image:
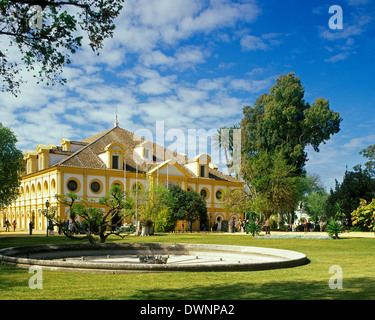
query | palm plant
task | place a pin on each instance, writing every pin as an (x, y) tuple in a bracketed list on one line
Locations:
[(253, 228), (334, 228), (224, 140)]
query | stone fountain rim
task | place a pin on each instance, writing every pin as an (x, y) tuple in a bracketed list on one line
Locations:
[(11, 256)]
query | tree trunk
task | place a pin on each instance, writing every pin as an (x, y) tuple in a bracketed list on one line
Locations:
[(102, 238), (90, 237), (291, 220)]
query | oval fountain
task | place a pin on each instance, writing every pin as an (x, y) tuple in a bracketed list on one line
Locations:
[(150, 257)]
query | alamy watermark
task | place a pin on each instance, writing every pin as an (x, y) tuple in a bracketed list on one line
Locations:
[(336, 21), (36, 280), (36, 19), (336, 281), (223, 146)]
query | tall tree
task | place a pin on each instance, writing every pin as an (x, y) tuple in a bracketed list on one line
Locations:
[(369, 153), (271, 181), (283, 121), (46, 33), (224, 140), (12, 166)]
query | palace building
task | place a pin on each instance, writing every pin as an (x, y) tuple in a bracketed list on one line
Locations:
[(90, 167)]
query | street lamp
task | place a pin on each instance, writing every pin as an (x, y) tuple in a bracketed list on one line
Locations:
[(47, 206)]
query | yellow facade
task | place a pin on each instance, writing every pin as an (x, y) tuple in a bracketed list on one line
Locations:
[(90, 167)]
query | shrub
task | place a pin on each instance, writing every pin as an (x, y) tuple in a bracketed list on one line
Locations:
[(334, 228), (253, 228), (364, 216), (356, 229)]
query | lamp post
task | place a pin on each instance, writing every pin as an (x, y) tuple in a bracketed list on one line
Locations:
[(47, 206)]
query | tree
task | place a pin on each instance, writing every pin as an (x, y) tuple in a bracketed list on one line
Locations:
[(46, 33), (271, 181), (12, 166), (313, 197), (369, 153), (156, 210), (238, 201), (282, 121), (189, 206), (95, 221), (224, 140), (315, 204), (357, 184)]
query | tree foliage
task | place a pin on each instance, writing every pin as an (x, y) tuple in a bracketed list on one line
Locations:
[(189, 205), (94, 220), (357, 184), (364, 215), (157, 207), (334, 228), (315, 205), (239, 201), (11, 167), (314, 198), (369, 153), (47, 32), (282, 121), (271, 181), (224, 140)]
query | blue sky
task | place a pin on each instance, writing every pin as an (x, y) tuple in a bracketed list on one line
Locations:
[(194, 64)]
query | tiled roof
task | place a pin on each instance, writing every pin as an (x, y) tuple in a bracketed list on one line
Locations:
[(88, 155)]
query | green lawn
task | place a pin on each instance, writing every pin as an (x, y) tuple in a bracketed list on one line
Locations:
[(356, 257)]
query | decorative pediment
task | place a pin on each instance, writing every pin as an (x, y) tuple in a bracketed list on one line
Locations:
[(171, 168)]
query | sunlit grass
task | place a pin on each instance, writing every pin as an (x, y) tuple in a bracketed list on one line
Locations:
[(356, 257)]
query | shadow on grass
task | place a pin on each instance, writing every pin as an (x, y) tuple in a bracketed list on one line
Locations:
[(354, 289)]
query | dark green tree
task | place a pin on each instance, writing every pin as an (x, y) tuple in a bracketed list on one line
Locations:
[(282, 121), (369, 153), (12, 166), (346, 197), (189, 206), (47, 32)]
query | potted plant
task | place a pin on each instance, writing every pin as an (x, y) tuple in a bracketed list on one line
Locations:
[(146, 225)]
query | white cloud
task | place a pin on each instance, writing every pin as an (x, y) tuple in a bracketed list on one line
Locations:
[(338, 57), (262, 43), (253, 43), (345, 33), (338, 153), (143, 70), (144, 25), (155, 84)]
